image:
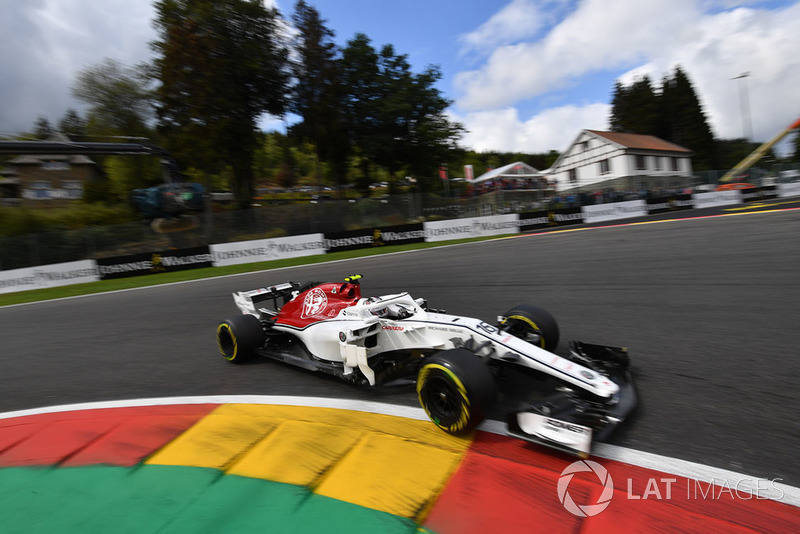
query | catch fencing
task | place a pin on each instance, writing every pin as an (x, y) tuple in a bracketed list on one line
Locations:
[(160, 257)]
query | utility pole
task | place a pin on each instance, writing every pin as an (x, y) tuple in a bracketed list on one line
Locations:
[(744, 101)]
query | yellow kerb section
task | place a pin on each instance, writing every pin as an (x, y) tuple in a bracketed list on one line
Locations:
[(386, 463)]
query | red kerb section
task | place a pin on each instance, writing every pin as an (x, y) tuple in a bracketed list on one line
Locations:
[(507, 485), (113, 436)]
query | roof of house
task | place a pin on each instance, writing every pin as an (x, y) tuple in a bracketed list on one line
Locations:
[(639, 141), (518, 169), (56, 137), (39, 159)]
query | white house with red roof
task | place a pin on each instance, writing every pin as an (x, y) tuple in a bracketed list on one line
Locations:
[(621, 161)]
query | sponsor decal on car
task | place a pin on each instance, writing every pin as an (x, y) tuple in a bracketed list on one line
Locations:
[(314, 304)]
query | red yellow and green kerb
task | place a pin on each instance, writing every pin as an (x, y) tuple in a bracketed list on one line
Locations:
[(275, 468)]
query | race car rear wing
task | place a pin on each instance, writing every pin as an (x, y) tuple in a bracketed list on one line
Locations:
[(271, 299)]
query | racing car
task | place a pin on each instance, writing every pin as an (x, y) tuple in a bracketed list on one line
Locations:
[(463, 368)]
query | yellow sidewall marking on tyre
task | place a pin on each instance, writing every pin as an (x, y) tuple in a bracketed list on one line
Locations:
[(233, 339), (531, 324), (464, 416)]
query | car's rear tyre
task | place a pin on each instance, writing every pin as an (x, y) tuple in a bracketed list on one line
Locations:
[(532, 324), (238, 338), (456, 390)]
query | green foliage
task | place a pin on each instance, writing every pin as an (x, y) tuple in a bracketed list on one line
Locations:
[(684, 122), (636, 108), (42, 128), (318, 91), (22, 221), (119, 99), (221, 181), (396, 118), (729, 152), (673, 113), (126, 173), (221, 64), (72, 125)]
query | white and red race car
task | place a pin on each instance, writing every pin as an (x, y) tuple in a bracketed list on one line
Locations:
[(464, 368)]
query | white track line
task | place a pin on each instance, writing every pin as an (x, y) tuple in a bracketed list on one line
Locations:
[(739, 482)]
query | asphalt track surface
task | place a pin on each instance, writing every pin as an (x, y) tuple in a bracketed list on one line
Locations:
[(708, 308)]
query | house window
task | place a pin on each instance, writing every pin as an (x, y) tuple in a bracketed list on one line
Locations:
[(674, 164), (55, 165), (72, 184), (641, 163), (73, 188), (573, 176), (605, 166), (584, 146), (657, 161), (40, 184)]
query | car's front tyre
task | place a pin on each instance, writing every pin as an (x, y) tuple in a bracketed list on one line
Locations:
[(456, 390), (239, 337)]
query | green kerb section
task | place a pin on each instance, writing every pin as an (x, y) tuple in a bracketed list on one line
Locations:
[(169, 500)]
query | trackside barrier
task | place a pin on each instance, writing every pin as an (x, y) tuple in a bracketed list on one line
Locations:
[(789, 190), (260, 250), (59, 274), (267, 249), (166, 261)]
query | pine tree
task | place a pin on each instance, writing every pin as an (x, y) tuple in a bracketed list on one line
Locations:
[(42, 128), (72, 125), (685, 121), (674, 114), (635, 108), (222, 65), (318, 91)]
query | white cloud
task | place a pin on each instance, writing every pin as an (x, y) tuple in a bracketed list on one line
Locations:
[(519, 20), (725, 45), (599, 35), (710, 42), (51, 40), (552, 129)]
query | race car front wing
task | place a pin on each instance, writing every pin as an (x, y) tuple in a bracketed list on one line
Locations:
[(570, 420)]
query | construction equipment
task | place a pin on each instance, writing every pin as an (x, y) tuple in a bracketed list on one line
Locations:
[(756, 154)]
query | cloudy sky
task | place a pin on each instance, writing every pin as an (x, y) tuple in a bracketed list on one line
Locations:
[(523, 75)]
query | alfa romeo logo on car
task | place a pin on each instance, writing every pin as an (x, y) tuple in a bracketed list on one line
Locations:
[(314, 303), (586, 510)]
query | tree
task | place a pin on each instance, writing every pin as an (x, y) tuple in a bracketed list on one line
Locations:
[(42, 128), (318, 90), (395, 117), (221, 65), (635, 108), (432, 136), (684, 121), (72, 125), (120, 101), (360, 75), (120, 105), (673, 113)]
